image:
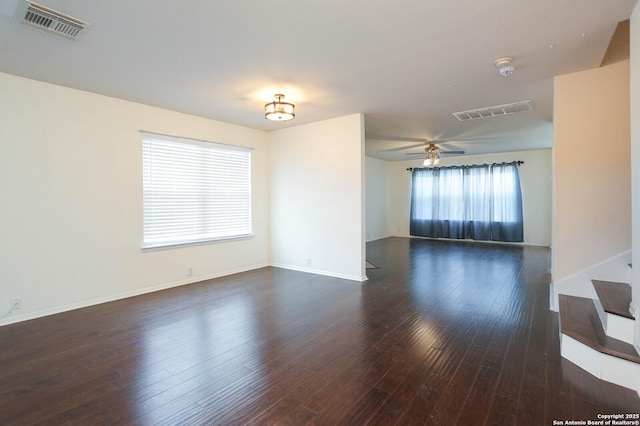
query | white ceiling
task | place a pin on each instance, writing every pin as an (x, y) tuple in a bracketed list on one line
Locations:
[(407, 65)]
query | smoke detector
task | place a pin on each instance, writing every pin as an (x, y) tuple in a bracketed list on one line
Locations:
[(504, 66)]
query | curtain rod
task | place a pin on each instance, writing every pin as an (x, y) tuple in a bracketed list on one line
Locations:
[(410, 169)]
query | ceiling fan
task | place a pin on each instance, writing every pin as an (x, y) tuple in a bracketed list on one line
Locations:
[(433, 154)]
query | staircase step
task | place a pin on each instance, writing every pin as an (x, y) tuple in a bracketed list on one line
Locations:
[(580, 321), (615, 297)]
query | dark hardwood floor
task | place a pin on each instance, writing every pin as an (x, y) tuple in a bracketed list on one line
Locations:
[(442, 333)]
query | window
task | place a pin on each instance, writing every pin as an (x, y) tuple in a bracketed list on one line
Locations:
[(481, 202), (194, 191)]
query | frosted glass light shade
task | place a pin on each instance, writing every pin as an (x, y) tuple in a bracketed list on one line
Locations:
[(279, 110)]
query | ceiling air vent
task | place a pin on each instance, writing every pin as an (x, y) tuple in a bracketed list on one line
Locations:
[(493, 111), (48, 20)]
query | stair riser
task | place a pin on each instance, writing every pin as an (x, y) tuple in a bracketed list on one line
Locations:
[(614, 325), (620, 328), (579, 284), (605, 367)]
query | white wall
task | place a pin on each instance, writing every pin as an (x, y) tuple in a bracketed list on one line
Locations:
[(592, 169), (317, 197), (71, 185), (635, 163), (376, 195), (535, 181)]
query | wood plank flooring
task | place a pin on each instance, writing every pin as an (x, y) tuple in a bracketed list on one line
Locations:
[(442, 333)]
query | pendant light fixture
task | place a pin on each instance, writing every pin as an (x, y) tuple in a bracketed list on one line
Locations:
[(279, 110)]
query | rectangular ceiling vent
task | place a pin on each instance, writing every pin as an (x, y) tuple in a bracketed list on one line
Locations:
[(493, 111), (50, 21)]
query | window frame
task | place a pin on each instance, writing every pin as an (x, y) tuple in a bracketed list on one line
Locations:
[(209, 161)]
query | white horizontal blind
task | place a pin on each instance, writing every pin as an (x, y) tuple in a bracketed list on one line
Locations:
[(194, 191)]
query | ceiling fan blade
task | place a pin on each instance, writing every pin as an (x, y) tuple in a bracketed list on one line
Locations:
[(393, 138), (451, 152), (414, 153), (402, 148)]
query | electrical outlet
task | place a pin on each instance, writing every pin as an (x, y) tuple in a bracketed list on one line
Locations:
[(190, 271), (15, 304), (308, 261)]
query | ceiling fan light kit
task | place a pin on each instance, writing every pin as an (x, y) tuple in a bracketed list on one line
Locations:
[(279, 110), (433, 159), (433, 154)]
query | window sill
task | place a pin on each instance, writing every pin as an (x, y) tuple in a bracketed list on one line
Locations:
[(180, 244)]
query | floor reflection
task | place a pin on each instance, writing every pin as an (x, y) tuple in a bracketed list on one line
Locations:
[(476, 278), (442, 332), (203, 350), (455, 300)]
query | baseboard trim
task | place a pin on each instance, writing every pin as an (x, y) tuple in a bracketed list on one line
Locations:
[(360, 278), (11, 319), (633, 309), (615, 268)]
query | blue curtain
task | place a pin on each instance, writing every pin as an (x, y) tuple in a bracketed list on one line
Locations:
[(480, 202)]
